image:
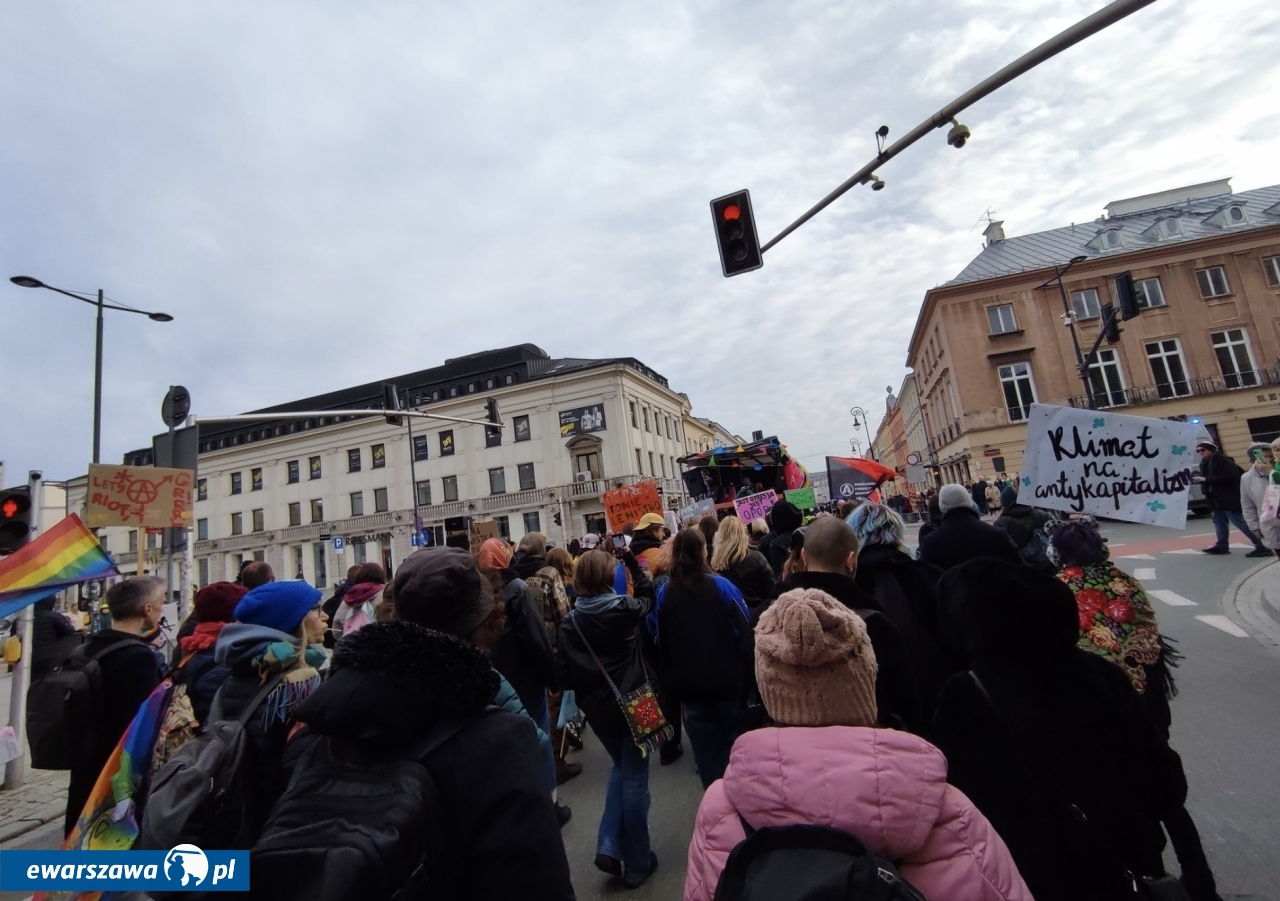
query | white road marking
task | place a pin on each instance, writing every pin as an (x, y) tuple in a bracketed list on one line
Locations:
[(1144, 575), (1226, 625), (1186, 550), (1136, 557), (1172, 598), (1242, 547)]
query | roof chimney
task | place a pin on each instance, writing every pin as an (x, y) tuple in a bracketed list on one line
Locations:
[(994, 232)]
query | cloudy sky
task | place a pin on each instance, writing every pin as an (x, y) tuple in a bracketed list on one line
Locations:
[(324, 193)]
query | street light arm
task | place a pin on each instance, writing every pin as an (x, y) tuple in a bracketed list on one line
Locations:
[(93, 301)]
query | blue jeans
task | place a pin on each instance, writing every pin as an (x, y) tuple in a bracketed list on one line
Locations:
[(712, 729), (542, 719), (624, 825), (1220, 518)]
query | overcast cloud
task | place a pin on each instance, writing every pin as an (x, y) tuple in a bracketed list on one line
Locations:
[(327, 193)]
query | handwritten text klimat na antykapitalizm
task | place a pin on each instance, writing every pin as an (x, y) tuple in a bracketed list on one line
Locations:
[(1103, 476)]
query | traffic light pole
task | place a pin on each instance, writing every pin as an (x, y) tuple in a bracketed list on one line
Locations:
[(1109, 315), (97, 386), (413, 473), (1087, 27), (15, 771)]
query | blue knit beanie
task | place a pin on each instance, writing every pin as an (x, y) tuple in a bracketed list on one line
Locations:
[(277, 605)]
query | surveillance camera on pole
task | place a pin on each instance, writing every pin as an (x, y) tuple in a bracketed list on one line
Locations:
[(958, 135)]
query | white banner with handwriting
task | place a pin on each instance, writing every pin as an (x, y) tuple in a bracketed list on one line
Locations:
[(1108, 464)]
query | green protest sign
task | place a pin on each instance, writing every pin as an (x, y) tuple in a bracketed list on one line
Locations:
[(802, 498)]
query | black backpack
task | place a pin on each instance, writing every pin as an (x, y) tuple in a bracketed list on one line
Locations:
[(64, 710), (807, 863), (203, 795), (351, 827)]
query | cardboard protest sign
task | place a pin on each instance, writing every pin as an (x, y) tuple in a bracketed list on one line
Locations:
[(696, 510), (803, 498), (627, 505), (138, 497), (1108, 464), (482, 532), (754, 506)]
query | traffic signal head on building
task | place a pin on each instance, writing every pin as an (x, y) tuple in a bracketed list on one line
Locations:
[(736, 236), (1126, 296), (391, 403), (1110, 323), (15, 519)]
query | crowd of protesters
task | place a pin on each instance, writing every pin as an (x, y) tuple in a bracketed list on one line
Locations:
[(934, 705)]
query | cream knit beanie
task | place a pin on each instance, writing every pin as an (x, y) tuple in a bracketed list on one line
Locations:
[(814, 663)]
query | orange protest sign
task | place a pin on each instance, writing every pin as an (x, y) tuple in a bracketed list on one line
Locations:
[(138, 496), (627, 505)]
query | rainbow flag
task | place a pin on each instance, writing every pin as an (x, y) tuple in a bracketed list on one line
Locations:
[(67, 554)]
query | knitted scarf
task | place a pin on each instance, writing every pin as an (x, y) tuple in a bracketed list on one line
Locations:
[(301, 677), (204, 636)]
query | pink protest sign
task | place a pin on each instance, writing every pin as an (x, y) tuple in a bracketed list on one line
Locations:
[(754, 506)]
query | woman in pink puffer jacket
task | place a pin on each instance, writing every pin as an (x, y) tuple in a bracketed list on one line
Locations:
[(825, 764)]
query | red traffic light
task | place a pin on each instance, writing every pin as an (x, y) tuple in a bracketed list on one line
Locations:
[(731, 212), (9, 508)]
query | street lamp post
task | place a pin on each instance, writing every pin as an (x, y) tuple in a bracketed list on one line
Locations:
[(26, 281), (859, 413), (1068, 316)]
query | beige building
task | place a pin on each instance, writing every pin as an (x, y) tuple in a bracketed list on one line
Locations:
[(1206, 268), (314, 496)]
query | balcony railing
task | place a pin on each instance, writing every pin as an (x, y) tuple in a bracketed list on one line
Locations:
[(1211, 384)]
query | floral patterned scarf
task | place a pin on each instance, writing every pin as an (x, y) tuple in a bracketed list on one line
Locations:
[(1116, 619)]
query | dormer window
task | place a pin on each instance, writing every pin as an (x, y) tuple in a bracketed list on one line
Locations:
[(1169, 227), (1230, 216), (1108, 239), (1235, 214)]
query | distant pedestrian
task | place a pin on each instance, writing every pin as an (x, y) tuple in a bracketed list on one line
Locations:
[(1253, 492), (1220, 477), (360, 600), (963, 535), (50, 638), (783, 518), (745, 567), (979, 494), (255, 573)]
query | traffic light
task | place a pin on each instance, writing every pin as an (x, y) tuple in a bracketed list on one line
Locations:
[(491, 414), (15, 519), (391, 402), (557, 518), (1110, 323), (736, 233), (1126, 296)]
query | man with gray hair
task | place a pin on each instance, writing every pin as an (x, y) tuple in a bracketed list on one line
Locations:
[(130, 672), (1253, 492)]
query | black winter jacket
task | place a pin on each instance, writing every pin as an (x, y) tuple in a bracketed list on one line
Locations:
[(1035, 725), (51, 639), (202, 676), (523, 653), (962, 536), (754, 577), (907, 590), (705, 639), (1023, 525), (897, 695), (390, 684), (1222, 482), (614, 626), (776, 547)]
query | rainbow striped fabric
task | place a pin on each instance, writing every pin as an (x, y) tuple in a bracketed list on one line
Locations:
[(67, 554)]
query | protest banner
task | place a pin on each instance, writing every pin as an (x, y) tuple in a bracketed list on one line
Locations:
[(803, 498), (755, 506), (482, 532), (626, 505), (696, 510), (1108, 464), (139, 497)]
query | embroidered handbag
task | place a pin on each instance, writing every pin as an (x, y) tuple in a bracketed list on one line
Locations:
[(640, 708)]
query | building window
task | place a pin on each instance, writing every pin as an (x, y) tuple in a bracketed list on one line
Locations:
[(1086, 304), (359, 552), (662, 458), (1234, 358), (1168, 368), (521, 425), (634, 424), (1213, 282), (237, 523), (1000, 319), (1019, 390), (453, 390), (1148, 293), (639, 463), (293, 470), (435, 395), (504, 526), (322, 575), (450, 488), (1265, 429), (202, 490), (525, 471), (313, 466), (1106, 380), (652, 470), (471, 387), (676, 426), (498, 481), (317, 510), (420, 445), (357, 503), (202, 570), (202, 530), (492, 436), (645, 412), (508, 379), (490, 383), (380, 500), (532, 522), (446, 443), (423, 490), (133, 541), (297, 562), (235, 483), (1272, 267), (353, 460), (295, 514), (379, 454), (259, 521)]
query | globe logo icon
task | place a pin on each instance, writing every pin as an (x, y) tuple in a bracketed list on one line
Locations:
[(187, 865)]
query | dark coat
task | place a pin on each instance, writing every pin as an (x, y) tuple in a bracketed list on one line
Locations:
[(1222, 482), (203, 676), (897, 696), (754, 578), (1025, 527), (523, 652), (704, 639), (128, 677), (962, 536), (51, 639), (907, 591), (1035, 725), (614, 626), (390, 683)]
